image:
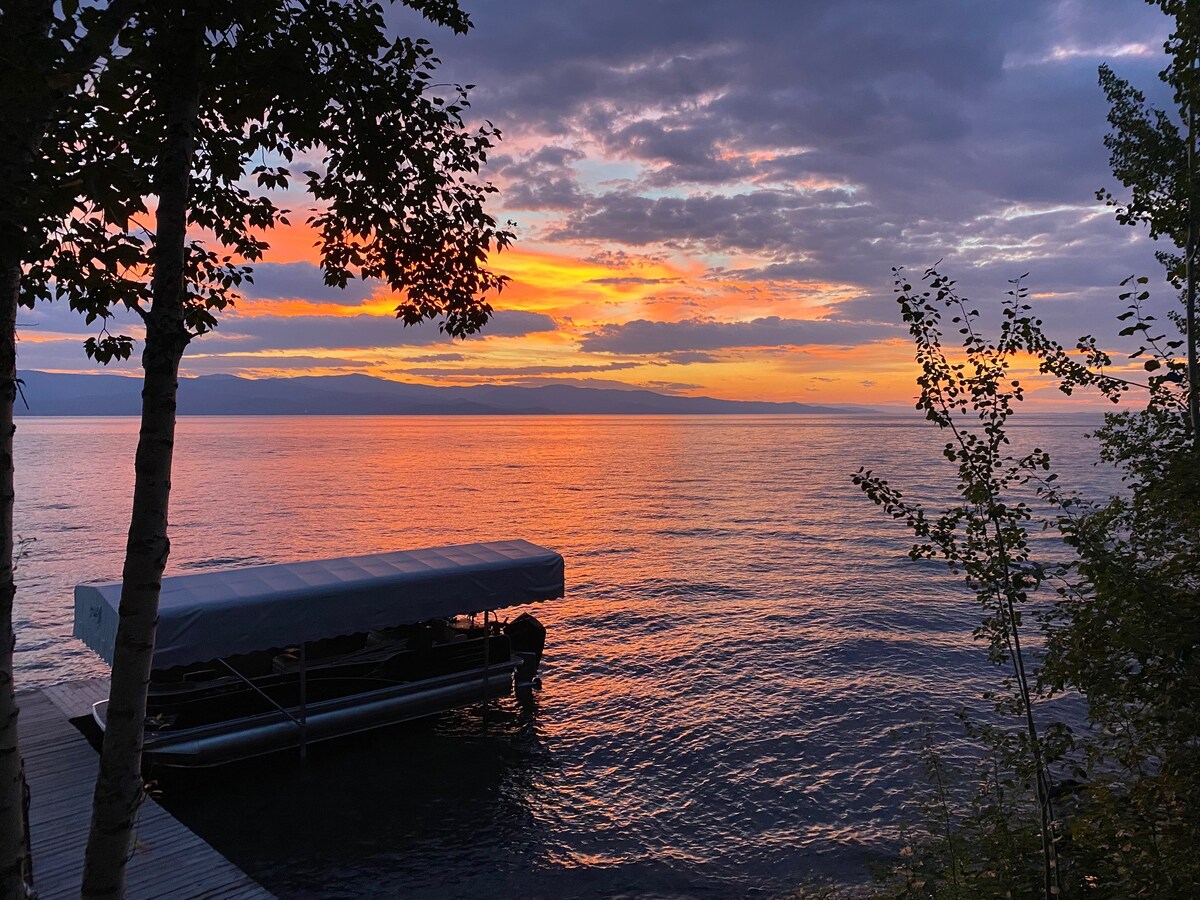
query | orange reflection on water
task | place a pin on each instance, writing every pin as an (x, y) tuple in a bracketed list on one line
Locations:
[(728, 682)]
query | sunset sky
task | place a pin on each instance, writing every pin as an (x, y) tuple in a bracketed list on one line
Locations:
[(710, 196)]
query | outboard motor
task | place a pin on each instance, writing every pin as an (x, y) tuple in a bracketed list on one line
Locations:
[(528, 638)]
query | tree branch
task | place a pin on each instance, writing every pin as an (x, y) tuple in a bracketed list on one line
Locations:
[(99, 38)]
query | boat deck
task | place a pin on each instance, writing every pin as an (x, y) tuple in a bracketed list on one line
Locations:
[(60, 766)]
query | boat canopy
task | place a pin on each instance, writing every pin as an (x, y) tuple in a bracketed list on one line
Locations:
[(211, 615)]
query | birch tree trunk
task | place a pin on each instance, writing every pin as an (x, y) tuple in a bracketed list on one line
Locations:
[(1193, 364), (26, 26), (119, 787), (15, 865)]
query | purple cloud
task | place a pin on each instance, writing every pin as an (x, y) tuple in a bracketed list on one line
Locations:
[(643, 337)]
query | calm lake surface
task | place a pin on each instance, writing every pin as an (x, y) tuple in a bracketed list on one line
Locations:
[(733, 685)]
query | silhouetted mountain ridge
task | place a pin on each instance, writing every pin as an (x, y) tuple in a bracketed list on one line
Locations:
[(50, 394)]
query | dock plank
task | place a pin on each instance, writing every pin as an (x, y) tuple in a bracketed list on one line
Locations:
[(75, 698), (60, 766)]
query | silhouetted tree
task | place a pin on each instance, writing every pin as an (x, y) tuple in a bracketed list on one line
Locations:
[(1122, 630), (49, 50), (1154, 155), (214, 100), (970, 396)]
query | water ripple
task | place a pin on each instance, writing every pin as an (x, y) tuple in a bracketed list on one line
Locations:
[(734, 684)]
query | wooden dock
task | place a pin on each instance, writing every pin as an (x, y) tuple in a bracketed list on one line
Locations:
[(169, 861)]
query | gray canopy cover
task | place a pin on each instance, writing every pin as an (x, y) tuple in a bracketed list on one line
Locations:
[(216, 614)]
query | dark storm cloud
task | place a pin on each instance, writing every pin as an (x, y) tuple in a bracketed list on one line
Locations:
[(653, 338), (857, 76), (686, 145)]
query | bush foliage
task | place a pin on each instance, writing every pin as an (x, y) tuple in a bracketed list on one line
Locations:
[(1112, 809)]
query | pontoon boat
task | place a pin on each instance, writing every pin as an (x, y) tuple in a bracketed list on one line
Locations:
[(253, 660)]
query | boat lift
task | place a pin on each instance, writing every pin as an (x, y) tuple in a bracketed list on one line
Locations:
[(213, 616)]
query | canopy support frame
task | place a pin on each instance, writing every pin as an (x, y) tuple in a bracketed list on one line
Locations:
[(487, 663), (302, 722)]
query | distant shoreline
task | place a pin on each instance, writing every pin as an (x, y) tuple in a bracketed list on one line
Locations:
[(864, 418), (55, 395)]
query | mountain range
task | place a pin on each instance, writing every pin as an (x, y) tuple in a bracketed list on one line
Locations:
[(51, 394)]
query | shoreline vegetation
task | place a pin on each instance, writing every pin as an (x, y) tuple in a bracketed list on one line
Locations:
[(1110, 809), (1051, 808)]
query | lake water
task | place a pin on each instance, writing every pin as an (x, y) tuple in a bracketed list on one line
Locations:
[(732, 684)]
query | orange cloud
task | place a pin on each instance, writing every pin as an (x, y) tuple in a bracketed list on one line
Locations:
[(584, 288)]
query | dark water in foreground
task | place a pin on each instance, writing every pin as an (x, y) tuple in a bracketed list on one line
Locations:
[(731, 683)]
